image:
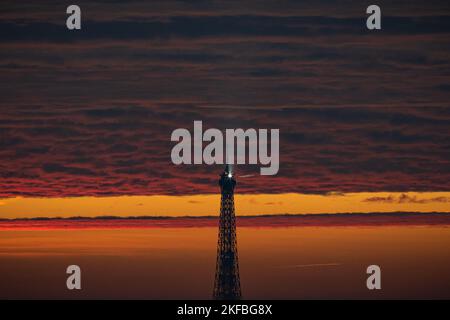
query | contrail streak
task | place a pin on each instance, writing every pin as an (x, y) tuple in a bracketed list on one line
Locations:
[(312, 265)]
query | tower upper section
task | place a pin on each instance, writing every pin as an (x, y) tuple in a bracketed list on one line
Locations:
[(227, 181)]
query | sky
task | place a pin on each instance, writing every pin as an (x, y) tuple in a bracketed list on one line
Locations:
[(88, 114), (209, 205)]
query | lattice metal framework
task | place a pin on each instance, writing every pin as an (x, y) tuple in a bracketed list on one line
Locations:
[(227, 284)]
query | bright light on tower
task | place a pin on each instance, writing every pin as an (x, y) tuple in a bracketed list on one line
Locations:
[(229, 171)]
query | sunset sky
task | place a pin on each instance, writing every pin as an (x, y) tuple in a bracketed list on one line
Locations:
[(208, 205), (87, 178), (86, 116)]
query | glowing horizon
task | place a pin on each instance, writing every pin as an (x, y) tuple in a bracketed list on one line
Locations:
[(208, 204)]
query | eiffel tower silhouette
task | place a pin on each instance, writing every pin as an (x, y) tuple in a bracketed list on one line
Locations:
[(227, 285)]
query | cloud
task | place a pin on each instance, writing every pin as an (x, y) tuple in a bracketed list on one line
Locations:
[(91, 113), (182, 26), (128, 151), (275, 221), (273, 203), (58, 168), (388, 199), (404, 198)]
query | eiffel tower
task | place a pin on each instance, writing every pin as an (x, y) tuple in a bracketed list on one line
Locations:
[(227, 285)]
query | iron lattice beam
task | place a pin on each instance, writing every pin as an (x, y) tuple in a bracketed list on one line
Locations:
[(227, 284)]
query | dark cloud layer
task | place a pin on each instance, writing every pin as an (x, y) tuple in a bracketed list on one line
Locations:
[(91, 112), (266, 221), (220, 26)]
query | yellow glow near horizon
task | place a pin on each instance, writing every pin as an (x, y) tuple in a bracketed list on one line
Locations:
[(202, 205)]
